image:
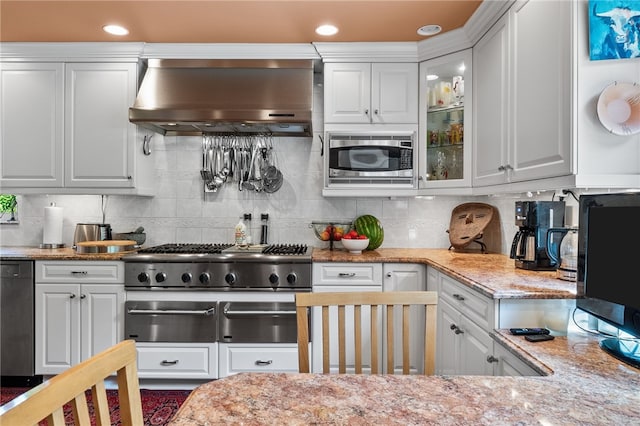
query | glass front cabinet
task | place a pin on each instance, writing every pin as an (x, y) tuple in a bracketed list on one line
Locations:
[(445, 122)]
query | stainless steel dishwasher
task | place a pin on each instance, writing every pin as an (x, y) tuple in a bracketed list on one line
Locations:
[(17, 329)]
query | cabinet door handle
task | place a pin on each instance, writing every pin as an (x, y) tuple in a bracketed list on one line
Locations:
[(491, 358), (72, 296), (389, 275), (165, 362), (262, 363), (456, 329), (508, 167), (83, 296), (375, 111), (502, 168), (458, 297), (347, 274), (366, 112)]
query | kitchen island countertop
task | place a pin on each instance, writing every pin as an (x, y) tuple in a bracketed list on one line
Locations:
[(585, 386)]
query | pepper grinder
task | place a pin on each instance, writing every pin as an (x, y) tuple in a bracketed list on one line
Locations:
[(263, 235)]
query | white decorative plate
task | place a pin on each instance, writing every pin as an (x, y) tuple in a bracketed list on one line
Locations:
[(619, 108)]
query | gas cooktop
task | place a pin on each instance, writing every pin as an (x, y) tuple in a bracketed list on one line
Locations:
[(216, 252)]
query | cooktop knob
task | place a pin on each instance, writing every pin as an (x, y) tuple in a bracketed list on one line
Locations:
[(274, 278), (230, 278), (143, 277), (161, 276), (186, 277), (205, 277), (292, 278)]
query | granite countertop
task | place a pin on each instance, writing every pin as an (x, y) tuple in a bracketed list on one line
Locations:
[(493, 275), (585, 386), (67, 253)]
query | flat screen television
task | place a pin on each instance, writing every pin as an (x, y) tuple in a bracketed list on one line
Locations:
[(608, 279)]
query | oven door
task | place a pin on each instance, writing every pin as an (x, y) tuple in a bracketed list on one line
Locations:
[(168, 321), (258, 322)]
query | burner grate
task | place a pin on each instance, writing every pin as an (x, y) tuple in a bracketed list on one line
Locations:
[(186, 248), (300, 249)]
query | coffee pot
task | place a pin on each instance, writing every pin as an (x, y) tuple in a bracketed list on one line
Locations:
[(566, 254)]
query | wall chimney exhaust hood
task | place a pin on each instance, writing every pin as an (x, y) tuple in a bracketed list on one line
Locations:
[(196, 96)]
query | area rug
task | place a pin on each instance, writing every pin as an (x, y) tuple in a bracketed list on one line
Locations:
[(158, 406)]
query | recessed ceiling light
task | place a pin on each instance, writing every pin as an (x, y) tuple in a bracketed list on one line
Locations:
[(327, 30), (115, 30), (432, 77), (429, 30)]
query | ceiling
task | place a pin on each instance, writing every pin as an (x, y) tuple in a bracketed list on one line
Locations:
[(218, 21)]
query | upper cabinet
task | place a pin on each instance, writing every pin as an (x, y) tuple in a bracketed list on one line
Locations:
[(523, 95), (65, 129), (445, 121), (31, 124), (378, 93)]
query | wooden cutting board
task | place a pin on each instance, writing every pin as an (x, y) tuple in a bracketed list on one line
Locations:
[(468, 222), (106, 246)]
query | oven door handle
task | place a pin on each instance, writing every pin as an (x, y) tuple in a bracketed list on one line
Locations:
[(229, 312), (210, 311)]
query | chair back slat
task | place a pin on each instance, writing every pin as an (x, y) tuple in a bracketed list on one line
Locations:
[(389, 301), (47, 400)]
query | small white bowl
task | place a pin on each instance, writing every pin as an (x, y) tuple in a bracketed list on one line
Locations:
[(355, 246)]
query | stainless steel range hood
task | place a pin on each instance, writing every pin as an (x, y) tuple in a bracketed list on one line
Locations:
[(194, 96)]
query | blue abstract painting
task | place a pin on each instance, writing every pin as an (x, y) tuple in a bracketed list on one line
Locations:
[(614, 29)]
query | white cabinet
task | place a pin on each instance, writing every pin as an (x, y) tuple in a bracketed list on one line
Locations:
[(508, 364), (330, 277), (464, 323), (31, 124), (65, 129), (466, 319), (99, 140), (446, 94), (79, 311), (333, 277), (371, 93), (242, 358), (184, 361), (523, 95)]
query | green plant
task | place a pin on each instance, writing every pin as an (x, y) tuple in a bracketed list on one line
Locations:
[(8, 203)]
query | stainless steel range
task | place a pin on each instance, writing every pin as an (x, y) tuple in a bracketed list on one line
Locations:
[(215, 292)]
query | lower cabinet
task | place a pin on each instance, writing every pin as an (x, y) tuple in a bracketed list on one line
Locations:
[(77, 316), (508, 364), (466, 320), (237, 358), (177, 360)]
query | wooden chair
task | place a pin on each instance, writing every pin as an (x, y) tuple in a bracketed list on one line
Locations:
[(428, 299), (46, 401)]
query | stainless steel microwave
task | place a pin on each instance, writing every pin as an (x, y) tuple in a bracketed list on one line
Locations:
[(383, 159)]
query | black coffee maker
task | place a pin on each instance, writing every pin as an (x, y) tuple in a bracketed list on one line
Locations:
[(529, 247)]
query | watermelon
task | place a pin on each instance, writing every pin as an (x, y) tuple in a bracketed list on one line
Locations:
[(372, 228)]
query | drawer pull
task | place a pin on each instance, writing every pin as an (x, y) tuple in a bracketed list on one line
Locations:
[(210, 311), (458, 297), (262, 363), (79, 273), (347, 274), (491, 358), (165, 362)]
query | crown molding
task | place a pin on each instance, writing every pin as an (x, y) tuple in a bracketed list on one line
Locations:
[(449, 42), (95, 52), (484, 17), (367, 52), (229, 51)]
